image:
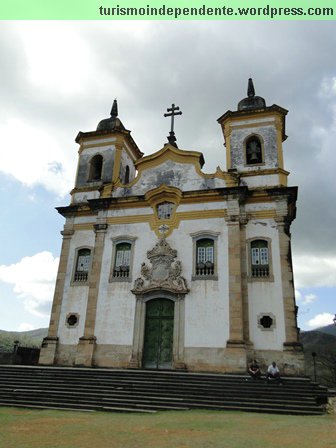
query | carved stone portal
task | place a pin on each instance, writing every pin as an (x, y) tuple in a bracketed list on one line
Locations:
[(163, 273)]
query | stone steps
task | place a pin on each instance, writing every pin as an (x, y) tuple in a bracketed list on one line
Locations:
[(150, 391)]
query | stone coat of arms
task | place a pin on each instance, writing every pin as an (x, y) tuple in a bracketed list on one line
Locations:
[(164, 272)]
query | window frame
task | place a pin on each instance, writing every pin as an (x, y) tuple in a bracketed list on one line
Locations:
[(127, 175), (75, 282), (90, 166), (270, 276), (271, 315), (67, 318), (205, 235), (115, 242), (173, 208), (261, 141)]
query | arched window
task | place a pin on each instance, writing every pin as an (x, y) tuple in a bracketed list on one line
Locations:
[(259, 258), (165, 210), (96, 167), (253, 151), (205, 259), (122, 260), (127, 174), (82, 265)]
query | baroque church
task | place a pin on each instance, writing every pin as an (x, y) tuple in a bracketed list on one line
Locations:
[(165, 267)]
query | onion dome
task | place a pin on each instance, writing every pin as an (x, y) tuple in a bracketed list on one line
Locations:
[(252, 101), (113, 122)]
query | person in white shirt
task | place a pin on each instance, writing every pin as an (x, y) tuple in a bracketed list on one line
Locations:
[(273, 373)]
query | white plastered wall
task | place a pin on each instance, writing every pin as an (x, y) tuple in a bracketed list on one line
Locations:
[(266, 297), (74, 296), (206, 306), (180, 175)]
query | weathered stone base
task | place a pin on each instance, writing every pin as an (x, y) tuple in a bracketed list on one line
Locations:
[(85, 351), (48, 351), (111, 355), (89, 354), (66, 355), (221, 360), (331, 406), (290, 362), (232, 359)]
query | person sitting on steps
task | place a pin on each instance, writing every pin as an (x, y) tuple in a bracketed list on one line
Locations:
[(273, 373), (254, 370)]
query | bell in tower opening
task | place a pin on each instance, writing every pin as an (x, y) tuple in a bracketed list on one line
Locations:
[(253, 151)]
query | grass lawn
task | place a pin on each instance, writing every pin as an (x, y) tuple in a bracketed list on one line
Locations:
[(24, 428)]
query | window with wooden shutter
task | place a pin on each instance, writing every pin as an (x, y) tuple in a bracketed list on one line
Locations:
[(82, 265), (205, 257), (122, 260), (259, 258)]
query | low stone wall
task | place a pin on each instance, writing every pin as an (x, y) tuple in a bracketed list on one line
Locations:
[(6, 358)]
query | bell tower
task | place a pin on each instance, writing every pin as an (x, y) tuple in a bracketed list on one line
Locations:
[(107, 157), (253, 138)]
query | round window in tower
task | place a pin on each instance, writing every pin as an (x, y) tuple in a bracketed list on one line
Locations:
[(266, 321), (72, 320)]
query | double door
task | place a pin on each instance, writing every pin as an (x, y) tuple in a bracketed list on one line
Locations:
[(159, 332)]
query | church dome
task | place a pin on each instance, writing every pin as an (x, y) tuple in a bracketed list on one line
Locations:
[(252, 101), (113, 122)]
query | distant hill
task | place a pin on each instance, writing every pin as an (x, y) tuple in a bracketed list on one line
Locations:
[(329, 329), (32, 338), (318, 342), (324, 345)]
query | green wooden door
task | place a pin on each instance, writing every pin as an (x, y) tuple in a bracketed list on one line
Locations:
[(159, 328)]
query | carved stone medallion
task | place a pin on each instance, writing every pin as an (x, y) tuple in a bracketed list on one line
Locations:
[(164, 272)]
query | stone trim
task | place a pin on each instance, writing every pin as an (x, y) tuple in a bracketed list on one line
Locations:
[(200, 235), (271, 315), (89, 169), (236, 337), (270, 277), (67, 323), (115, 241), (244, 284), (86, 345), (163, 273), (260, 138), (291, 329), (49, 345), (139, 326), (73, 281)]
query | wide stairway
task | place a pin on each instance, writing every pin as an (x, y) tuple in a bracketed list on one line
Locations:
[(151, 391)]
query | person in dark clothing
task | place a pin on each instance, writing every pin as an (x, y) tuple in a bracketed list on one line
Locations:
[(254, 370)]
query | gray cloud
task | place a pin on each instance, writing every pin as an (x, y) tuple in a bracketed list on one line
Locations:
[(203, 67)]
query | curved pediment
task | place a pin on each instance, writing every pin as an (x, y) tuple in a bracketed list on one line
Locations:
[(163, 192), (173, 168), (169, 152)]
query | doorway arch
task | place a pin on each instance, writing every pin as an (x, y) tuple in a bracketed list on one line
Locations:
[(159, 334), (177, 301)]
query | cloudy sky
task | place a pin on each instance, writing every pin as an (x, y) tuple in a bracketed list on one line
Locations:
[(58, 78)]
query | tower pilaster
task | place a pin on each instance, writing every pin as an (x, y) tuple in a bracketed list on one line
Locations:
[(49, 345), (86, 345)]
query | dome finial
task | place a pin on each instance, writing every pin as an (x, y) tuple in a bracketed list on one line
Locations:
[(111, 123), (114, 110), (251, 102), (250, 88)]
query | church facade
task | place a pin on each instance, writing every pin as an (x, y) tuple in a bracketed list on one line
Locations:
[(165, 267)]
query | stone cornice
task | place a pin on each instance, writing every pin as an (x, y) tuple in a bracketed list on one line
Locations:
[(122, 134), (257, 113)]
